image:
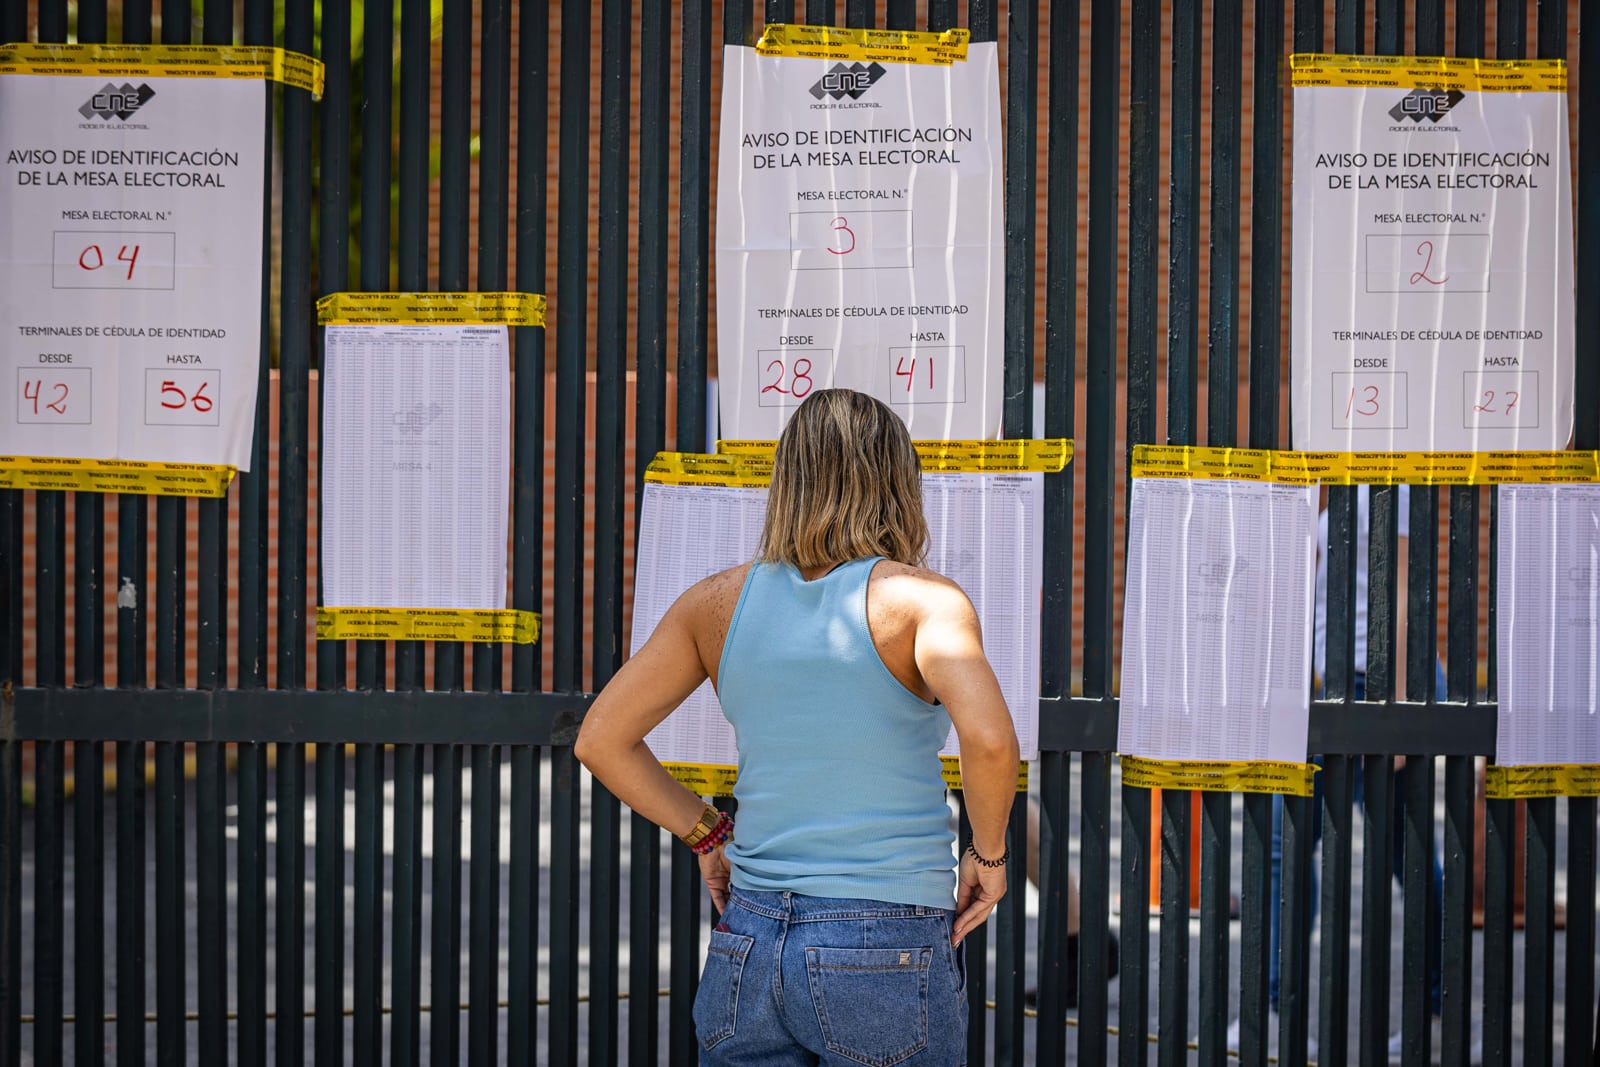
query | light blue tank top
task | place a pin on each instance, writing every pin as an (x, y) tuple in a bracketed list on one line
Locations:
[(839, 788)]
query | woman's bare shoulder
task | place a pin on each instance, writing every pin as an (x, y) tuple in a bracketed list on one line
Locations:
[(907, 587)]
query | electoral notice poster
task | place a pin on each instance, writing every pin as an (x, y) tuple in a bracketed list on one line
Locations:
[(1433, 302), (859, 242), (130, 266)]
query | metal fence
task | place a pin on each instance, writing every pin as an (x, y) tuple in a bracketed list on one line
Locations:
[(263, 755)]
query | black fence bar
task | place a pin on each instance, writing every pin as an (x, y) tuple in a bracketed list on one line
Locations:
[(565, 801), (522, 949), (11, 881), (251, 872), (1376, 921), (329, 967), (444, 984), (1338, 783), (211, 896), (1021, 154), (49, 935), (89, 903), (694, 227), (483, 980), (289, 932), (405, 997), (172, 955)]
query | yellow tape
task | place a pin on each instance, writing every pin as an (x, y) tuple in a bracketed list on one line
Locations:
[(1366, 468), (431, 309), (1220, 776), (717, 779), (165, 61), (1548, 780), (950, 768), (705, 779), (745, 471), (1046, 456), (1429, 72), (115, 476), (427, 624), (863, 46)]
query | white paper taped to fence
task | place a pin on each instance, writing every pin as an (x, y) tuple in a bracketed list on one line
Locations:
[(130, 266), (985, 533), (416, 466), (859, 241), (1216, 632), (1549, 625), (1433, 300)]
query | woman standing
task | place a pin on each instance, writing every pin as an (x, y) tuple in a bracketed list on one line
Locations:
[(841, 663)]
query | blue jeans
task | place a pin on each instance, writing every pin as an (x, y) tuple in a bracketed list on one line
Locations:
[(1397, 861), (793, 979)]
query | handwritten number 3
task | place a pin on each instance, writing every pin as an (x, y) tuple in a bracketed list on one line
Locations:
[(841, 225)]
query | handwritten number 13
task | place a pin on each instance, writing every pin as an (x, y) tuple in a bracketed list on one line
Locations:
[(1367, 404)]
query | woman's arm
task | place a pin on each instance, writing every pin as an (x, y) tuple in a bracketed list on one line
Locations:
[(949, 654), (654, 681)]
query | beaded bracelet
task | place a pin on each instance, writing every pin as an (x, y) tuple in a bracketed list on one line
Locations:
[(991, 864), (720, 834)]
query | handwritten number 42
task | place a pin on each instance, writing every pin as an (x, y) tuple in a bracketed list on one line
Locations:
[(56, 404)]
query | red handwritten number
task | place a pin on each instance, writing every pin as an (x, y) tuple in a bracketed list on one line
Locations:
[(1366, 406), (1427, 261), (200, 401), (33, 390), (801, 373), (124, 257), (842, 225), (99, 258), (1487, 406), (172, 387)]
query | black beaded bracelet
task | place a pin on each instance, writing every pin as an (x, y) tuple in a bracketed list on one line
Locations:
[(1001, 862)]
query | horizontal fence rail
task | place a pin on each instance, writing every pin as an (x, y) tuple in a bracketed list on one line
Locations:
[(222, 840)]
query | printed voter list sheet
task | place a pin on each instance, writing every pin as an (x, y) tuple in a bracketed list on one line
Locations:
[(1549, 632), (130, 266), (859, 241), (1432, 255), (985, 533), (416, 464), (1216, 632)]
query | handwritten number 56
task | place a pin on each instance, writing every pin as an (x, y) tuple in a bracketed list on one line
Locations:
[(199, 401)]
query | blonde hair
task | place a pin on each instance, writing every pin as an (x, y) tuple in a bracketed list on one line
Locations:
[(846, 484)]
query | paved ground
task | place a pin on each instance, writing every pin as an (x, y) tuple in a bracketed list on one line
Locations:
[(543, 1022)]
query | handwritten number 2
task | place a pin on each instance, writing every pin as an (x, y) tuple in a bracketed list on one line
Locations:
[(1427, 261)]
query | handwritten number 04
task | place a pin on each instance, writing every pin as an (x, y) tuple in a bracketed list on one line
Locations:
[(128, 254)]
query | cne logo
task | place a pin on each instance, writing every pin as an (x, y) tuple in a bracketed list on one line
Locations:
[(113, 102), (1429, 104), (847, 80)]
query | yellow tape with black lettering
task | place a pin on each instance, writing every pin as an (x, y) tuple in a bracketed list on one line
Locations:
[(1045, 456), (717, 779), (1545, 780), (115, 476), (1366, 468), (431, 309), (790, 41), (1429, 72), (165, 61), (1220, 776), (740, 470), (427, 624)]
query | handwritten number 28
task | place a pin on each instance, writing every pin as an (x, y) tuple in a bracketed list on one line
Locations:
[(799, 379)]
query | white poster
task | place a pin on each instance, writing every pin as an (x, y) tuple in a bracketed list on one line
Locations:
[(859, 241), (1433, 301), (1549, 625), (985, 533), (130, 266), (1216, 632), (416, 461)]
